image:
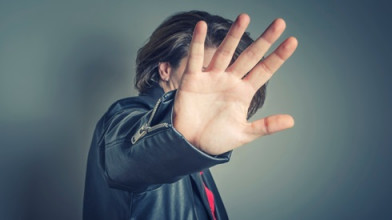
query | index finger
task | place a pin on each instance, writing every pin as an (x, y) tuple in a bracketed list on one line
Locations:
[(264, 70)]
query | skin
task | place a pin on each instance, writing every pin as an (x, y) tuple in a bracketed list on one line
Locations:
[(212, 97), (171, 77)]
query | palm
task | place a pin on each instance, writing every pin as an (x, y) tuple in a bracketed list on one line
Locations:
[(211, 106)]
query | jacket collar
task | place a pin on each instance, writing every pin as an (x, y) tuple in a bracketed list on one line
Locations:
[(154, 92), (148, 98)]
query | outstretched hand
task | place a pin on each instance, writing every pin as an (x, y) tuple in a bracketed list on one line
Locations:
[(211, 105)]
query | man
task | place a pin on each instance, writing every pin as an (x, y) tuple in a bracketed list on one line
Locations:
[(150, 154)]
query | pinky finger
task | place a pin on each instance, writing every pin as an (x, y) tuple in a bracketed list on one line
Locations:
[(196, 48)]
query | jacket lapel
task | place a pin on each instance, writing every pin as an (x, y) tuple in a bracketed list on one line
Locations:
[(220, 211), (196, 177)]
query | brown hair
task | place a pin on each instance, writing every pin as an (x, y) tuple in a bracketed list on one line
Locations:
[(170, 42)]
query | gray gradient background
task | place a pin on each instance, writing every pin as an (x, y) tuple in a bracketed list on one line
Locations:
[(63, 63)]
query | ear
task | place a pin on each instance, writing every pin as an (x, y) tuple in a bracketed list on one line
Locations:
[(164, 71)]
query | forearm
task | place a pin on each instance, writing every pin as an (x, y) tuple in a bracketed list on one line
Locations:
[(154, 152)]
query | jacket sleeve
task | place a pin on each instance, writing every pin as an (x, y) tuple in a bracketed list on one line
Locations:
[(142, 148)]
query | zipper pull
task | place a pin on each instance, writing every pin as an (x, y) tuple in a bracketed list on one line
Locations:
[(140, 133), (158, 126), (146, 127)]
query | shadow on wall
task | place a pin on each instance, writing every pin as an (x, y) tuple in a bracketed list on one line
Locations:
[(45, 177)]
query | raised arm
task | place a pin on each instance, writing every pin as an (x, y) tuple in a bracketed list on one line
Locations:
[(143, 150), (197, 126)]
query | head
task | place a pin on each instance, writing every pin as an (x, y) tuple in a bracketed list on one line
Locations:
[(160, 60)]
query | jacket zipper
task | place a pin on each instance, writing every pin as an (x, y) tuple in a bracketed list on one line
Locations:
[(146, 128)]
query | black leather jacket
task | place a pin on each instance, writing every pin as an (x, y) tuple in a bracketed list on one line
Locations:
[(140, 167)]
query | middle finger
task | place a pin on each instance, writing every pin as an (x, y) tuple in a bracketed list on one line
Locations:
[(253, 54)]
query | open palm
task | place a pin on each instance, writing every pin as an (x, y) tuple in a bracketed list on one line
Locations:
[(211, 106)]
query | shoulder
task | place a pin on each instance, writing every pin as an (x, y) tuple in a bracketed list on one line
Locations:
[(121, 109), (129, 104), (144, 101)]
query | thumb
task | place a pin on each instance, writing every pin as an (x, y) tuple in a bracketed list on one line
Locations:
[(270, 125)]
